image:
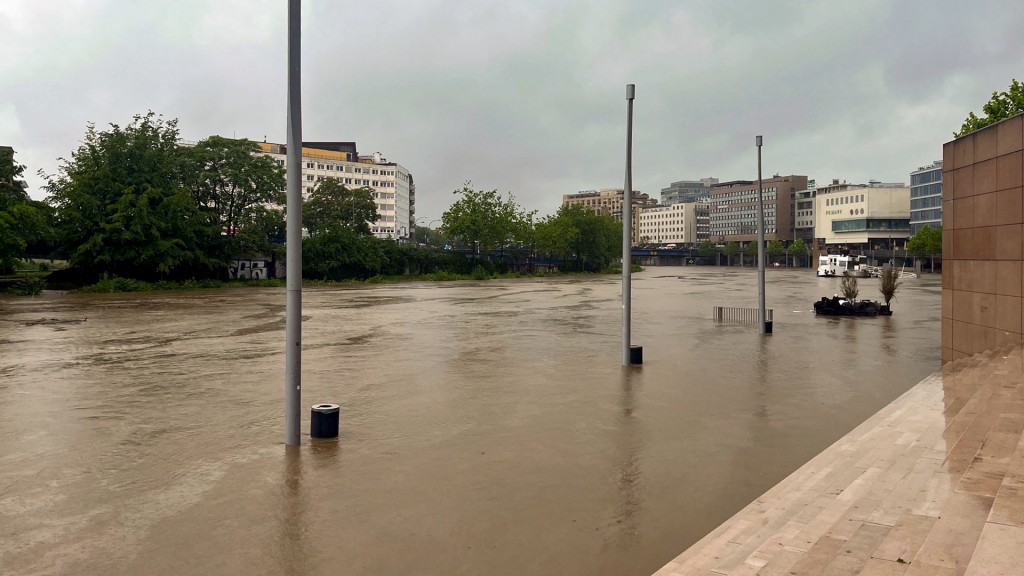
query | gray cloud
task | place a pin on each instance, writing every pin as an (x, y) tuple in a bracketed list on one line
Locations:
[(526, 97)]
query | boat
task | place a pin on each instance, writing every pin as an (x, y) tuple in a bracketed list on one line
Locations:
[(836, 306), (841, 265)]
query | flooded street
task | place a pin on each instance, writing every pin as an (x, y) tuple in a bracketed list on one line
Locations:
[(486, 428)]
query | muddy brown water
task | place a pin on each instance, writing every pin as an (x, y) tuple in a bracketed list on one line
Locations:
[(487, 428)]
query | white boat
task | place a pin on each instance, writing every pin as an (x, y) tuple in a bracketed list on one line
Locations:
[(837, 265)]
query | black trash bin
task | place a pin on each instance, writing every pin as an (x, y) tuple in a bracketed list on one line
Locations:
[(323, 421), (636, 354)]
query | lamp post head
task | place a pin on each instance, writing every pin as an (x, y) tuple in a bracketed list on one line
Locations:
[(630, 91), (758, 140)]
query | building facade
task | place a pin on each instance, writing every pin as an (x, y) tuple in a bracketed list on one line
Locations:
[(609, 202), (687, 191), (392, 185), (684, 224), (926, 197), (734, 209), (803, 214), (862, 217)]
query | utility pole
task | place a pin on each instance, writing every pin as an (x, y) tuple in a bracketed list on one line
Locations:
[(627, 227), (760, 244), (293, 325)]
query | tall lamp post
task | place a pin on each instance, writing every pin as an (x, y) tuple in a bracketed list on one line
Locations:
[(627, 228), (293, 324), (760, 244)]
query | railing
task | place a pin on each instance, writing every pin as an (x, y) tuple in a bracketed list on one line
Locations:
[(726, 314)]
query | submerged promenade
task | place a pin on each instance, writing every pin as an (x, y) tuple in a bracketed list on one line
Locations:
[(933, 484)]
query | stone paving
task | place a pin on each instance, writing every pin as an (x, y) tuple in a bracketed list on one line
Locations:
[(933, 484)]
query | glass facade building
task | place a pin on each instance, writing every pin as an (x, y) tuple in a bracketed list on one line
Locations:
[(926, 197)]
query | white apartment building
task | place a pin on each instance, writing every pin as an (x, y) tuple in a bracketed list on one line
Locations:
[(685, 223), (392, 184), (859, 216)]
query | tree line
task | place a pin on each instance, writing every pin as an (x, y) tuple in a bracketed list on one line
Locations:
[(131, 201)]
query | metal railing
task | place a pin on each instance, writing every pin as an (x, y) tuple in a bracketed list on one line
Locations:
[(727, 314)]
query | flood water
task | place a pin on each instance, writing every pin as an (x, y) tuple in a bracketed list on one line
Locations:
[(487, 428)]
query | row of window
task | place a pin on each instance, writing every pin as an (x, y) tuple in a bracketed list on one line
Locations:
[(343, 168), (355, 181), (870, 224), (926, 202), (923, 215), (926, 177), (844, 200), (926, 190)]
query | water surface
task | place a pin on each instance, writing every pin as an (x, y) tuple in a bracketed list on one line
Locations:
[(487, 428)]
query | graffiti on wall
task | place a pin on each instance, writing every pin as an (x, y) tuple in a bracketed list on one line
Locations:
[(248, 270)]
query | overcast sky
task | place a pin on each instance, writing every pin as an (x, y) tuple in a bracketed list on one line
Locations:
[(527, 96)]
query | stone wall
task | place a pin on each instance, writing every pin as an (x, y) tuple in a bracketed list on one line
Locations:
[(983, 240)]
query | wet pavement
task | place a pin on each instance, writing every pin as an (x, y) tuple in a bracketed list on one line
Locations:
[(486, 427)]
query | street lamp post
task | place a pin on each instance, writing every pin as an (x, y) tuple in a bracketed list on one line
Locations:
[(627, 228), (760, 244), (293, 310)]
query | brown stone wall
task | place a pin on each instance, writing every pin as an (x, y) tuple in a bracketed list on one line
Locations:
[(983, 240)]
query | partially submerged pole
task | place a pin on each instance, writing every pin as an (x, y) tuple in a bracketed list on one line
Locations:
[(763, 320), (627, 227), (293, 325)]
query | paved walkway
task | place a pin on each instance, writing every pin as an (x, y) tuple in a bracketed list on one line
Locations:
[(933, 484)]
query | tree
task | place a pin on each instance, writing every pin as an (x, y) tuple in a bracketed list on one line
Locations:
[(1001, 106), (428, 236), (775, 249), (798, 247), (888, 283), (228, 180), (341, 252), (332, 204), (593, 240), (730, 250), (706, 249), (848, 286), (23, 221), (121, 206), (927, 242), (484, 219)]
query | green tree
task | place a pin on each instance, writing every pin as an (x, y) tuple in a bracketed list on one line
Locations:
[(23, 222), (332, 204), (340, 253), (485, 219), (731, 249), (775, 249), (121, 206), (798, 248), (593, 240), (926, 243), (229, 180), (1001, 106), (706, 249), (428, 236)]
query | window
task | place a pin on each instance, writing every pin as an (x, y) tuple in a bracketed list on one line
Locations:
[(309, 164), (309, 177), (319, 166)]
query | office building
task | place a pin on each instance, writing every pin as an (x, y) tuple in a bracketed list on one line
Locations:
[(609, 202), (734, 208), (687, 191), (682, 224), (926, 197), (862, 217)]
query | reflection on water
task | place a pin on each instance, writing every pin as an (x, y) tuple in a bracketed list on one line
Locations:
[(486, 428)]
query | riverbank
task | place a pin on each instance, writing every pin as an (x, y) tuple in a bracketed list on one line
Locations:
[(931, 484), (116, 284)]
